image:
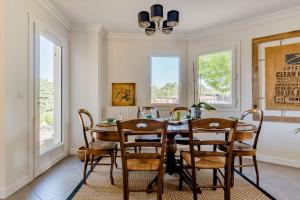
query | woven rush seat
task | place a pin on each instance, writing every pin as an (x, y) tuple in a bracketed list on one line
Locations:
[(205, 162), (102, 145), (143, 164), (240, 147)]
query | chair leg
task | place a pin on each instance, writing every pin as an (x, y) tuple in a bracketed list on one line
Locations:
[(232, 171), (112, 156), (84, 168), (227, 182), (256, 170), (199, 147), (241, 163), (125, 185), (160, 184), (215, 178), (140, 149), (91, 162), (180, 178), (116, 154), (156, 150), (194, 183), (135, 149)]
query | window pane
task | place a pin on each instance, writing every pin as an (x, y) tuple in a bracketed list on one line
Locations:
[(215, 78), (49, 94), (165, 80)]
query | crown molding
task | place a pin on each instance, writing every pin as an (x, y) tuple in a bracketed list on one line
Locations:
[(247, 22), (87, 28), (55, 13), (143, 36)]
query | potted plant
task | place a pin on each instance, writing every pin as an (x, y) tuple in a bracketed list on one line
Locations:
[(196, 109)]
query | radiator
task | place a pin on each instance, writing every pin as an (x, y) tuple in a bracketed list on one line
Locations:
[(121, 112)]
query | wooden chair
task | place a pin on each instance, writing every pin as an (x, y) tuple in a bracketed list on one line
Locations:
[(95, 148), (147, 138), (183, 139), (209, 159), (142, 161), (244, 149)]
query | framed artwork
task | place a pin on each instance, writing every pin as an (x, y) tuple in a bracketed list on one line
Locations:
[(283, 77), (123, 94), (276, 76)]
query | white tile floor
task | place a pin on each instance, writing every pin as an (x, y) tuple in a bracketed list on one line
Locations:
[(58, 182)]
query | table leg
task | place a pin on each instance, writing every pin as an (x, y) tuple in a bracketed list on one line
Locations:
[(172, 165), (171, 162)]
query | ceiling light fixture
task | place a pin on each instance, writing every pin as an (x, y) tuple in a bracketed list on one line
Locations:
[(153, 25)]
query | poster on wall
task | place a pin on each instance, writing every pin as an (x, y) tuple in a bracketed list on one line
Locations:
[(123, 94), (282, 77)]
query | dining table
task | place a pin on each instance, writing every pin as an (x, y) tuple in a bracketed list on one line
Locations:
[(102, 132)]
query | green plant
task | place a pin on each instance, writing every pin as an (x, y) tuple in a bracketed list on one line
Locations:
[(204, 105), (297, 130)]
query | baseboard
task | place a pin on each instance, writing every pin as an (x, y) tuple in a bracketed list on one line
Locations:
[(277, 160), (5, 192)]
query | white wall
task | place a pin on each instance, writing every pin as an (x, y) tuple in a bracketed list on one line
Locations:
[(277, 142), (2, 95), (87, 60), (127, 62), (18, 165)]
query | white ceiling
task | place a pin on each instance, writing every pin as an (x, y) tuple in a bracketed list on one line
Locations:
[(195, 15)]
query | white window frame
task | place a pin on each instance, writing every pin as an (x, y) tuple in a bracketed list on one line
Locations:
[(235, 76), (181, 78)]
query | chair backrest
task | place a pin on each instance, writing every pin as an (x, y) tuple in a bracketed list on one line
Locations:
[(141, 127), (260, 117), (183, 109), (147, 108), (86, 128), (212, 125)]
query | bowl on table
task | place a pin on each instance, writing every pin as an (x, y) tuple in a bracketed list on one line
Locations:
[(147, 116), (110, 120)]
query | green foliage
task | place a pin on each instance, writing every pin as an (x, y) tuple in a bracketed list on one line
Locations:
[(46, 102), (297, 131), (215, 70), (168, 91), (204, 105)]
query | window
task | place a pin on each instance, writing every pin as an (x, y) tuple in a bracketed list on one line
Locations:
[(165, 80), (49, 94), (216, 78)]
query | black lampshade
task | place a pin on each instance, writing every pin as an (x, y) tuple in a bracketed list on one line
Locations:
[(157, 12), (144, 19), (166, 29), (151, 29), (173, 18)]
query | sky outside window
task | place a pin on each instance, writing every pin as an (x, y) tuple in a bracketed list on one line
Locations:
[(165, 79)]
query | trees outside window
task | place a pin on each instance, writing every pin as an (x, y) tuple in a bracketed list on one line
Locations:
[(215, 79)]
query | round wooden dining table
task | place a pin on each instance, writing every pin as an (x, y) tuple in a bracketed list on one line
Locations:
[(245, 131)]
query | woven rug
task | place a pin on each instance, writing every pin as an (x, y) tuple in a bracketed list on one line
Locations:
[(98, 187)]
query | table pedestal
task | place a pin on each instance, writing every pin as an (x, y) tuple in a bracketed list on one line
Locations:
[(172, 165)]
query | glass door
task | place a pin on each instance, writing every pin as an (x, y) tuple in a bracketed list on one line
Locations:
[(49, 94)]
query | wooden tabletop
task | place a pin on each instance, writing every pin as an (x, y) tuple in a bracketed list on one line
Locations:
[(244, 131)]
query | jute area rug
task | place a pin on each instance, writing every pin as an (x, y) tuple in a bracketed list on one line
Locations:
[(98, 187)]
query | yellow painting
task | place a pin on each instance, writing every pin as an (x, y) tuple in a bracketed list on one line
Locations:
[(123, 94)]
